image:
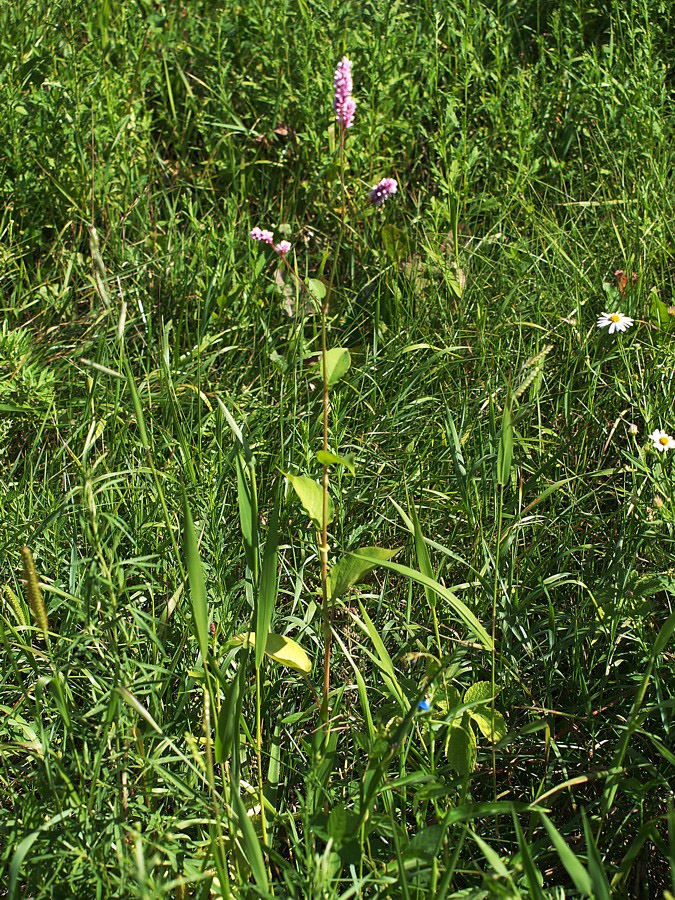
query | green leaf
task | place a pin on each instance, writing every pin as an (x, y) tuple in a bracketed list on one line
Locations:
[(200, 612), (310, 494), (491, 722), (227, 725), (460, 748), (326, 458), (532, 873), (267, 593), (396, 243), (281, 649), (568, 858), (659, 311), (351, 570), (250, 843), (422, 554), (338, 361), (248, 513), (505, 451), (596, 870), (461, 609), (341, 825), (316, 288)]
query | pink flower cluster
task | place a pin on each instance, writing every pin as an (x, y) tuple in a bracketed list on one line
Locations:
[(267, 237), (344, 104), (383, 190)]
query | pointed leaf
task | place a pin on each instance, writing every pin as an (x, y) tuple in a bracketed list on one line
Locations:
[(310, 494), (460, 748), (250, 843), (248, 513), (227, 724), (461, 609), (281, 649), (596, 868), (316, 288), (267, 594), (490, 721), (351, 570), (200, 613), (338, 361), (422, 554), (568, 858), (326, 458), (505, 451), (532, 873)]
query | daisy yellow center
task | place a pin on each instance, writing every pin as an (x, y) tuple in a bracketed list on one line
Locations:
[(615, 317), (664, 440)]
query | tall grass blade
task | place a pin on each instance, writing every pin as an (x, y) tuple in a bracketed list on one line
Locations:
[(267, 590), (198, 603)]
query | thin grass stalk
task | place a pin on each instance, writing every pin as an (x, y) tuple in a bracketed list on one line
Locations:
[(493, 675), (324, 549), (258, 751)]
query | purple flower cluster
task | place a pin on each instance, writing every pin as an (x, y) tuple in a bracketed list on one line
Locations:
[(344, 104), (267, 237), (383, 190)]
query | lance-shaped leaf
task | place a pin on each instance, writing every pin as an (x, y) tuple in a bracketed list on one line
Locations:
[(310, 494), (281, 649), (200, 612), (326, 458), (505, 451), (461, 609), (267, 592), (351, 569)]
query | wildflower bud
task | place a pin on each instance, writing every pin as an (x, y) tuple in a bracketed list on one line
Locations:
[(632, 428), (283, 247), (657, 501), (671, 310), (261, 234), (343, 102), (383, 190)]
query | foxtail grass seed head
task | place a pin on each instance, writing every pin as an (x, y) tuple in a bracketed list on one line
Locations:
[(13, 601), (616, 321), (35, 599), (383, 190), (261, 234), (662, 441), (343, 102), (282, 247)]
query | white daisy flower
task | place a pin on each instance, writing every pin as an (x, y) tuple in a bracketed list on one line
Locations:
[(662, 441), (616, 321)]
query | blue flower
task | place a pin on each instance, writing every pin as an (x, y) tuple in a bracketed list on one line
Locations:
[(424, 705)]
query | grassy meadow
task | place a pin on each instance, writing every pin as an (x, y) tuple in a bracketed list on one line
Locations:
[(491, 567)]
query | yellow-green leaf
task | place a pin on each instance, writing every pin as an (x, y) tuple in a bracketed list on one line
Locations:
[(460, 748), (310, 494), (326, 458), (281, 649), (338, 361)]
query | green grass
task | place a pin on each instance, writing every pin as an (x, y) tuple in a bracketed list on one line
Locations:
[(533, 146)]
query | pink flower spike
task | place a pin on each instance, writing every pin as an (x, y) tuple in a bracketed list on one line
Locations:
[(343, 102), (283, 247), (383, 190), (261, 234)]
